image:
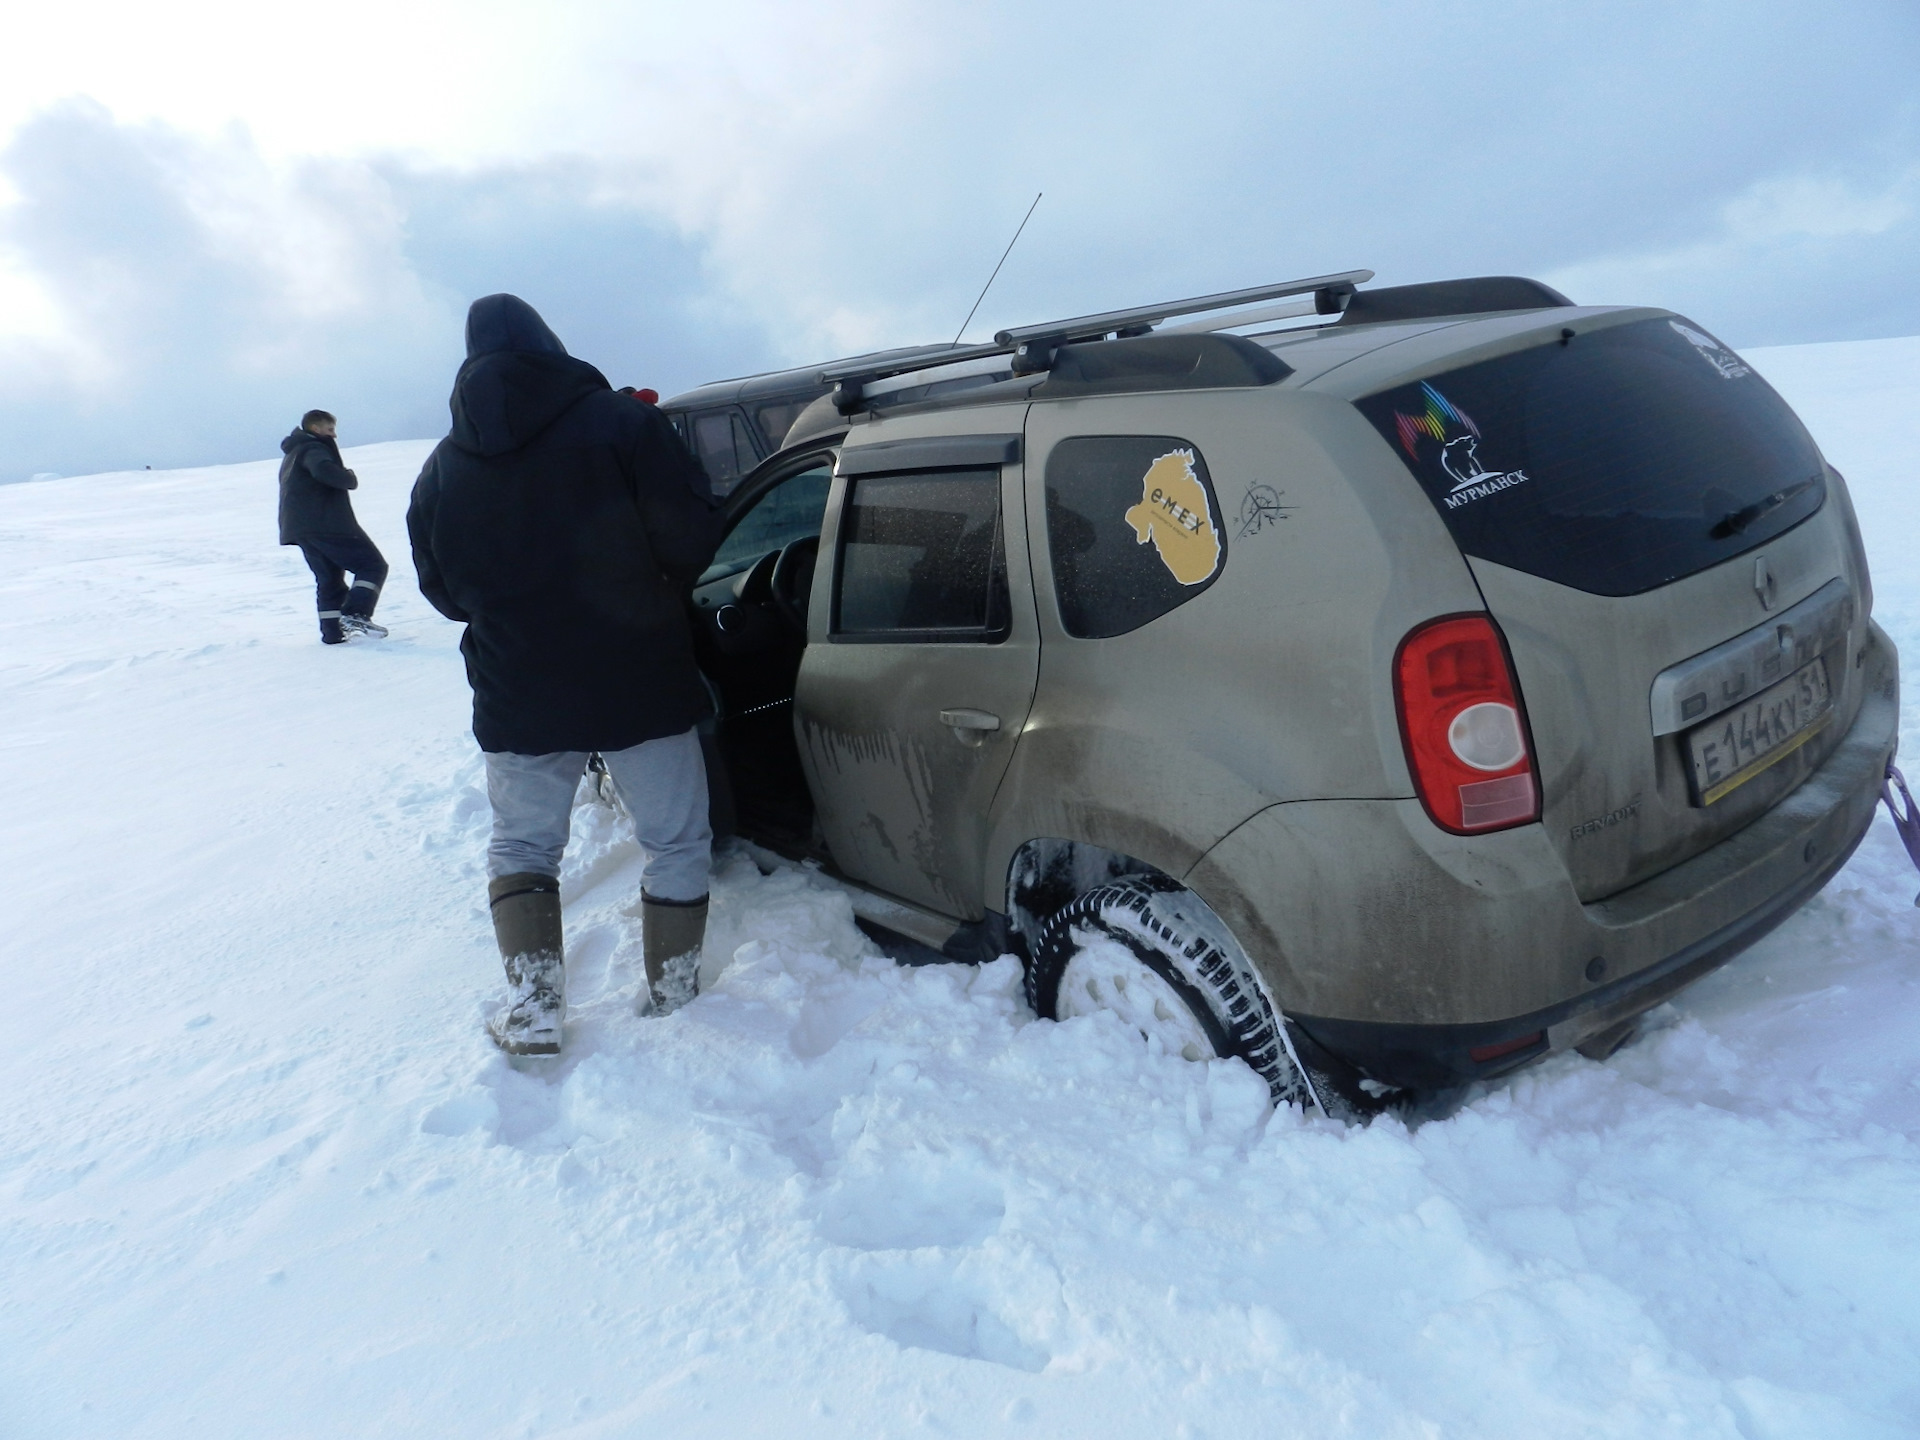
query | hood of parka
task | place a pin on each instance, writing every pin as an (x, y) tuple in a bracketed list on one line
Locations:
[(517, 380)]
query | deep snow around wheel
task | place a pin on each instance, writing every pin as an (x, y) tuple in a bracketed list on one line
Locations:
[(261, 1174)]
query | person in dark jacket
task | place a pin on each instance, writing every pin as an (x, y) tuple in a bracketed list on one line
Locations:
[(316, 515), (562, 523)]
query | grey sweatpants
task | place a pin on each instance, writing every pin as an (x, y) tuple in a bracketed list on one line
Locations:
[(664, 784)]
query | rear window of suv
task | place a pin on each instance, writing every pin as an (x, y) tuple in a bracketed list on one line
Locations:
[(1615, 462)]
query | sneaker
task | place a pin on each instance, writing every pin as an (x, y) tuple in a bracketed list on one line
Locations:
[(361, 625), (331, 632)]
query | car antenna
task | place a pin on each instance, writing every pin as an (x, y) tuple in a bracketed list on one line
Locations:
[(996, 269)]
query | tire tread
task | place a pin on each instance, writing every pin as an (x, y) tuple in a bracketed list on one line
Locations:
[(1239, 1009)]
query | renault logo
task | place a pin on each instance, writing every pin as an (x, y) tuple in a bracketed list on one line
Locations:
[(1763, 583)]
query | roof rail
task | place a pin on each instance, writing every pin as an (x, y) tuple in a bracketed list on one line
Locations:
[(1033, 346), (1437, 298)]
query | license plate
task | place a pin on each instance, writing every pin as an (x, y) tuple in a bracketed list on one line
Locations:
[(1738, 744)]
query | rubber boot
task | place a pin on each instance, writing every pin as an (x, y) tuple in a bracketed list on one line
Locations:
[(526, 922), (672, 933)]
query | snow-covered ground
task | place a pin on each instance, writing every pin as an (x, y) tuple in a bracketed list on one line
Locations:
[(261, 1175)]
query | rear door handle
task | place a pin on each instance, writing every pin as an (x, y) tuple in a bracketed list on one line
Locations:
[(970, 727)]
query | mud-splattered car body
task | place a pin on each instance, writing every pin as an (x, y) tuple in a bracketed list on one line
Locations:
[(1193, 607)]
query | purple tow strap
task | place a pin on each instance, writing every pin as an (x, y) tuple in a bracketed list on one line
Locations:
[(1905, 818)]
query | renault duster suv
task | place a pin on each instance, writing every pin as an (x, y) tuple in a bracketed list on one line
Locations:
[(1388, 701)]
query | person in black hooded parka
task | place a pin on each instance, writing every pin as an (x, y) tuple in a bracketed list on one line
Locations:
[(562, 523)]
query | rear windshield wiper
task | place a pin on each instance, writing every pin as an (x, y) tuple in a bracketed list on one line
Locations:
[(1734, 521)]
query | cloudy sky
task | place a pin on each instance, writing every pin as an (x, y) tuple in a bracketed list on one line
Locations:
[(213, 216)]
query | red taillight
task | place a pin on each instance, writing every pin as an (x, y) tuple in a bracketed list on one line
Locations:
[(1464, 728)]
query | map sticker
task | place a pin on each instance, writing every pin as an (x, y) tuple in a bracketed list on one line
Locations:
[(1174, 513)]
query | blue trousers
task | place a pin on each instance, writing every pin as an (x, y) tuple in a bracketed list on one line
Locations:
[(330, 557)]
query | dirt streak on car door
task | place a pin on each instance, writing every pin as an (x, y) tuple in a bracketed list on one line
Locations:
[(905, 729)]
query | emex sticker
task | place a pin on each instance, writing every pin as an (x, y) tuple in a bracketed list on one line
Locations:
[(1176, 515), (1450, 428)]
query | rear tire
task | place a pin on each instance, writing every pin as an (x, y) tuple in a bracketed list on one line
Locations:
[(1189, 985)]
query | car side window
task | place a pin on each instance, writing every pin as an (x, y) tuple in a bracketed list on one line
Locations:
[(791, 510), (1133, 528), (725, 447), (922, 557)]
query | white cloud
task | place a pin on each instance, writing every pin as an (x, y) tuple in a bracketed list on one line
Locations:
[(1797, 256), (190, 294), (27, 311), (756, 182), (1822, 207), (116, 227)]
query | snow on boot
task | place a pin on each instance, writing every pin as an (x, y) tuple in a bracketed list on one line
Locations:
[(672, 933), (352, 624), (526, 923)]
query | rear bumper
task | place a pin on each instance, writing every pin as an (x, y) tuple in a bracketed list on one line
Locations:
[(1434, 947), (1431, 1057)]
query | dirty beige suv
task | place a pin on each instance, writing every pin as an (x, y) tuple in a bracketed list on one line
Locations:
[(1387, 700)]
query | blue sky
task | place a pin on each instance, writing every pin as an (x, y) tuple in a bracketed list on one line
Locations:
[(216, 216)]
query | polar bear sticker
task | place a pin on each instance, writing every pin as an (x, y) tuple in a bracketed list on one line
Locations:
[(1460, 458)]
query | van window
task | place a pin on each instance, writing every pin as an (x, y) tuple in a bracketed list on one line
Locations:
[(776, 417), (1133, 527), (922, 557), (1615, 463), (725, 447)]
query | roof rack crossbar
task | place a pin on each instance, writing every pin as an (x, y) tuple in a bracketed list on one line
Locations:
[(1258, 315), (927, 359), (1032, 346), (1086, 327)]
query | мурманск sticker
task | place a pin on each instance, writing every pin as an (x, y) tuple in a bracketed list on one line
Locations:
[(1723, 360), (1446, 426)]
